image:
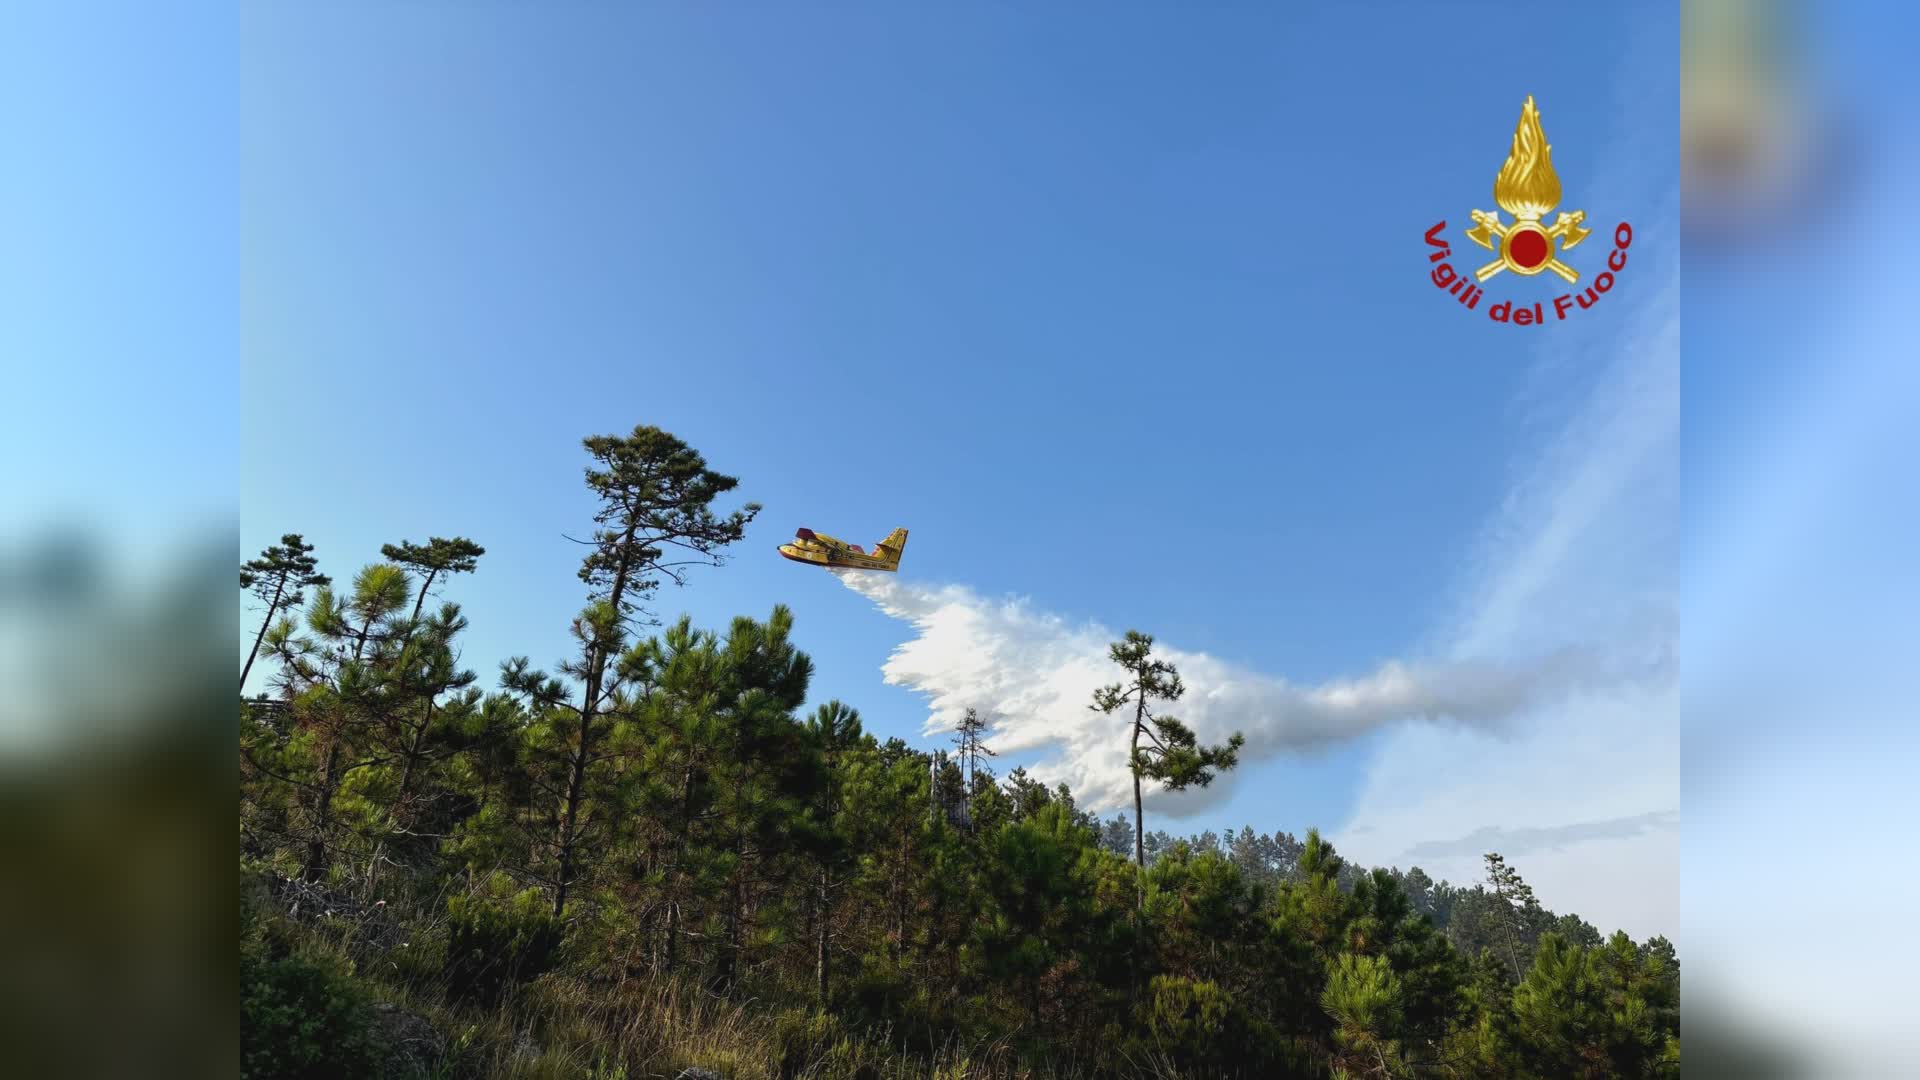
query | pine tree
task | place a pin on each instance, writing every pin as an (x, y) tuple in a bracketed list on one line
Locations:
[(348, 690), (970, 737), (1172, 753), (432, 559), (277, 578), (656, 517), (430, 701), (379, 592), (836, 732), (1596, 1012), (1364, 998), (1515, 902)]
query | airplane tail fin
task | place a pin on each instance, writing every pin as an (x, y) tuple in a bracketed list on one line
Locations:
[(893, 546)]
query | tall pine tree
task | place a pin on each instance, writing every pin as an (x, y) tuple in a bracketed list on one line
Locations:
[(1158, 747), (656, 518), (438, 556), (970, 737), (277, 578)]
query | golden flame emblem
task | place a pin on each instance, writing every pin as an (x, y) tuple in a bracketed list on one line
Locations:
[(1527, 187)]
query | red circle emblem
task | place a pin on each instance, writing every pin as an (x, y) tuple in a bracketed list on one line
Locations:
[(1528, 248)]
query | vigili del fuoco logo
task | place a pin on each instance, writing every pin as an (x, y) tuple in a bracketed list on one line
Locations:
[(1528, 189)]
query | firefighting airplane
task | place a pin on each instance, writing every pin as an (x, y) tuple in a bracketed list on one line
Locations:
[(821, 550)]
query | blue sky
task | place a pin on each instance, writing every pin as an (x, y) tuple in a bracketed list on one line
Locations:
[(1123, 312)]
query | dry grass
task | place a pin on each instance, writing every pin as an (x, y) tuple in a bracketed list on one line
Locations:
[(559, 1027)]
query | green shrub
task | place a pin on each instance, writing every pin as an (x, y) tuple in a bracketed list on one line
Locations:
[(1187, 1013), (300, 1018), (1200, 1030), (802, 1038), (815, 1044), (494, 945)]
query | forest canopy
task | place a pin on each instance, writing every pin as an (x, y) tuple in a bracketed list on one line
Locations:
[(654, 857)]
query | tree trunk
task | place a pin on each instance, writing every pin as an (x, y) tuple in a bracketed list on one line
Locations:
[(1506, 925), (414, 755), (422, 599), (1139, 842), (1139, 817), (676, 879), (897, 894), (576, 785), (736, 929), (577, 773), (820, 960), (261, 636), (361, 643), (316, 864), (673, 933)]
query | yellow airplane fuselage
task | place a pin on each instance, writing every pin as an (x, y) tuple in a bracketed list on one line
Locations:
[(819, 549)]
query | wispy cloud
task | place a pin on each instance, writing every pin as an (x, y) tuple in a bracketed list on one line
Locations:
[(1529, 841), (1034, 672), (1584, 549)]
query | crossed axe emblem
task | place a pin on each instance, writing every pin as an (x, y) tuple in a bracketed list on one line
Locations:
[(1525, 247)]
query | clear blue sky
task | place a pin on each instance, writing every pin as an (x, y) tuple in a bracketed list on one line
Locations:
[(1123, 310)]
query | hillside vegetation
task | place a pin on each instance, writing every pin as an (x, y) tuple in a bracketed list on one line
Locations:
[(651, 859)]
